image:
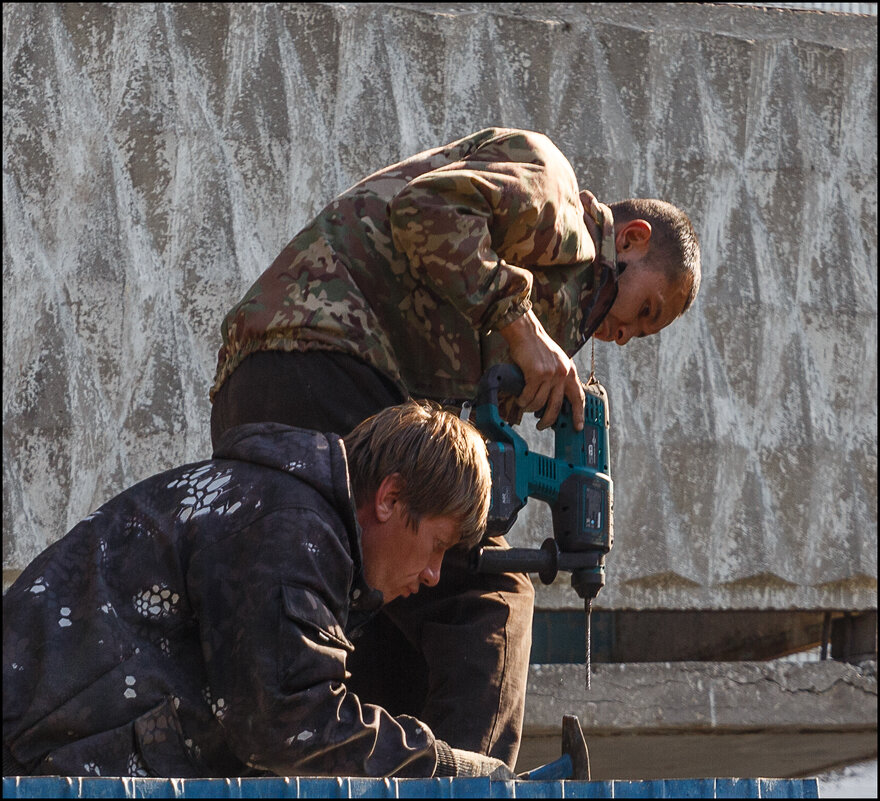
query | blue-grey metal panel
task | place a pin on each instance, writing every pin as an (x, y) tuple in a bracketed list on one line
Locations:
[(738, 788), (341, 787)]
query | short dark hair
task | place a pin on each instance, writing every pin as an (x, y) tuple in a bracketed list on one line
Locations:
[(441, 459), (675, 248)]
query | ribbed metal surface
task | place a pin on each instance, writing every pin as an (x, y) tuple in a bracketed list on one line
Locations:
[(56, 787)]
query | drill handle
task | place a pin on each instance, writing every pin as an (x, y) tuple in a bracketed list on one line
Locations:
[(543, 561), (500, 378), (546, 561), (510, 379), (507, 378)]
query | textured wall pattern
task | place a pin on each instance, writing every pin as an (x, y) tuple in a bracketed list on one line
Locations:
[(157, 157)]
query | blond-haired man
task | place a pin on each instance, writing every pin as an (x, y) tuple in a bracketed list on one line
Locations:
[(198, 623)]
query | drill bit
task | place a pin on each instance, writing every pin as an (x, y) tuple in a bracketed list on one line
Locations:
[(588, 608)]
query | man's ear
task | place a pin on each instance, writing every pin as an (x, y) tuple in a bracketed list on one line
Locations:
[(632, 236), (387, 495)]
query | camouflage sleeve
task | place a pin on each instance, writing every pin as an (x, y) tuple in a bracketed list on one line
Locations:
[(472, 229), (442, 222), (268, 603)]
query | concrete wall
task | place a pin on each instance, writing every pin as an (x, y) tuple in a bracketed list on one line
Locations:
[(689, 720), (157, 157)]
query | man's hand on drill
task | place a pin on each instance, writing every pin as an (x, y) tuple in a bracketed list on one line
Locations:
[(550, 375)]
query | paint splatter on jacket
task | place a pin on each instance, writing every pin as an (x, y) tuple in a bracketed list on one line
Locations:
[(415, 268), (196, 625)]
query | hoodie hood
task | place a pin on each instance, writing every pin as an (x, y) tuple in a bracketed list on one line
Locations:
[(317, 460), (314, 458)]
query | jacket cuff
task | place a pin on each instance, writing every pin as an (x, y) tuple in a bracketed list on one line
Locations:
[(446, 765), (510, 313)]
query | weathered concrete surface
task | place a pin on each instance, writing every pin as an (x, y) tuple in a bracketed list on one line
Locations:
[(158, 156), (688, 719), (710, 696)]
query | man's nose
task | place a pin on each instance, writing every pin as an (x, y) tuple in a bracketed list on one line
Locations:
[(431, 574), (623, 335)]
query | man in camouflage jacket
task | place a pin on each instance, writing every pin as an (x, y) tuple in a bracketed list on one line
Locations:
[(198, 624), (414, 282)]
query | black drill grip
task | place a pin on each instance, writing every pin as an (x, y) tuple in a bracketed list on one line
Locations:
[(500, 378), (546, 561), (515, 560), (510, 379)]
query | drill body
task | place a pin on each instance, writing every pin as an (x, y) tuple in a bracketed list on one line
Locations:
[(575, 482)]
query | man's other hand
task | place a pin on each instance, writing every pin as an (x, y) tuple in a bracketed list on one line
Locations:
[(549, 374), (471, 764)]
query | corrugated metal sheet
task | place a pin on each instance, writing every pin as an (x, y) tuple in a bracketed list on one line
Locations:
[(53, 787)]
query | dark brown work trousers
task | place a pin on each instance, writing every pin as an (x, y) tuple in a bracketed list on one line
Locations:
[(455, 655)]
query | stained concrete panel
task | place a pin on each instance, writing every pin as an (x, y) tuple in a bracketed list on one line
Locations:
[(157, 157), (711, 696), (687, 720)]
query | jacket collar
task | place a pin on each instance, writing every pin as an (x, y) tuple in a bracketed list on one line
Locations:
[(602, 296)]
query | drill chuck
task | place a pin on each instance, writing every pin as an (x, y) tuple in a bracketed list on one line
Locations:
[(588, 581)]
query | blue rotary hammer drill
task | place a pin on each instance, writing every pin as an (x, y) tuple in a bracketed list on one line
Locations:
[(575, 482)]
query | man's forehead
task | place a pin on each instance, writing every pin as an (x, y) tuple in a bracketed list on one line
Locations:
[(446, 525)]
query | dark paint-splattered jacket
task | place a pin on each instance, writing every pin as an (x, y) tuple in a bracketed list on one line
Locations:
[(195, 625), (415, 268)]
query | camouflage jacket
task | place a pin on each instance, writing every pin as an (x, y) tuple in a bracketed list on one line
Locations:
[(197, 625), (415, 268)]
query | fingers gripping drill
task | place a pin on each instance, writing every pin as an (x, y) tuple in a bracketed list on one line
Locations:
[(575, 482)]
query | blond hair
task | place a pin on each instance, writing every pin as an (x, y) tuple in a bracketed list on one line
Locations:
[(441, 460)]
